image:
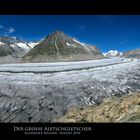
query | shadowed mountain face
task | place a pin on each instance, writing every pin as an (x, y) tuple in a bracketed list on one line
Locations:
[(5, 45), (132, 54), (12, 49), (58, 46)]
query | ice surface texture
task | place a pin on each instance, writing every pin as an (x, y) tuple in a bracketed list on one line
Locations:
[(45, 91)]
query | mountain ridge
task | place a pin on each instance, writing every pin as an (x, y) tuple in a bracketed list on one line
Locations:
[(12, 49), (132, 53), (14, 46)]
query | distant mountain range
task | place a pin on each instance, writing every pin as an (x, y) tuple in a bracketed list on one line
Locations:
[(14, 46), (55, 47), (127, 54), (113, 53)]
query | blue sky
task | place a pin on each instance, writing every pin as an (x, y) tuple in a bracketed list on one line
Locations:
[(120, 32)]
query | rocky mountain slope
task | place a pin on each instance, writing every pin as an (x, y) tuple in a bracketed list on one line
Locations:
[(58, 46), (113, 53), (113, 109), (132, 54)]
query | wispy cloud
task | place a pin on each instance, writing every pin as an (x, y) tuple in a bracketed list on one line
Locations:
[(11, 30), (1, 27), (6, 30)]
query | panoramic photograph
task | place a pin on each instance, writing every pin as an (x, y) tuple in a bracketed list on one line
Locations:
[(69, 68)]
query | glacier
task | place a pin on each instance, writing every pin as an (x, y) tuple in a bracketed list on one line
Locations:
[(41, 92)]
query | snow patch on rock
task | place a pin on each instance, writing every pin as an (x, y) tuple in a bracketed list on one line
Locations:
[(1, 43), (68, 44), (32, 44), (78, 42)]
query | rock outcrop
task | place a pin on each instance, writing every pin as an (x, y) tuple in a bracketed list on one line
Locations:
[(113, 109)]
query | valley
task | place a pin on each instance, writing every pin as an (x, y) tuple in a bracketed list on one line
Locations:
[(41, 80)]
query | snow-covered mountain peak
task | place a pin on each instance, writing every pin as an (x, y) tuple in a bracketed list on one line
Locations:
[(112, 53)]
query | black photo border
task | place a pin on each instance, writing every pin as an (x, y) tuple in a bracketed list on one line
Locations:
[(71, 7)]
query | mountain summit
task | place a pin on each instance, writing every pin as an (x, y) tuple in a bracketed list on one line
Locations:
[(60, 47), (113, 53)]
